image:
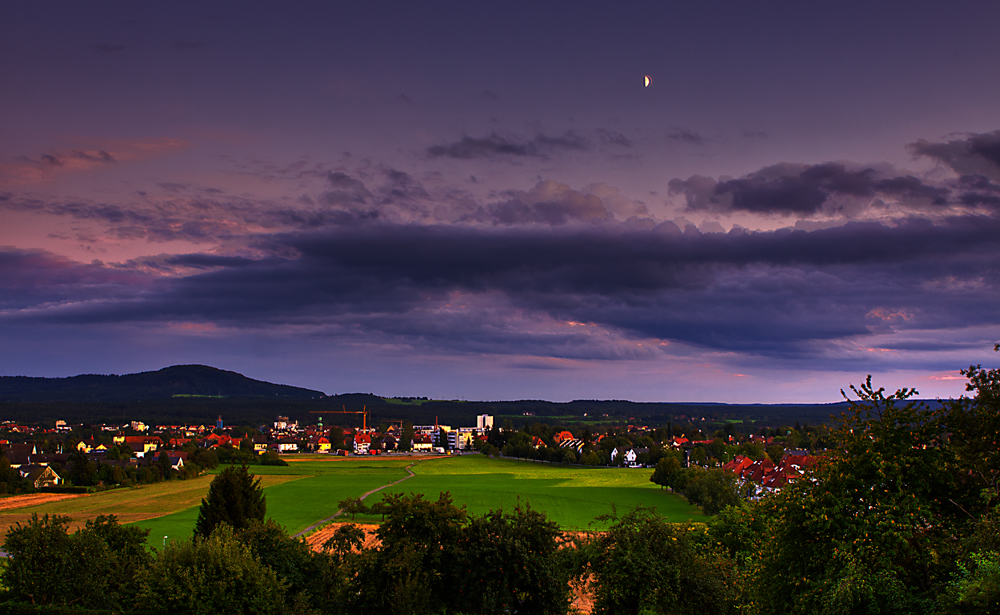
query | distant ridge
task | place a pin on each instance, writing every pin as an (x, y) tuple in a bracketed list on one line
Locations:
[(178, 380)]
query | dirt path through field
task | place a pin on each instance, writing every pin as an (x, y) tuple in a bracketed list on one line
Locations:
[(410, 474)]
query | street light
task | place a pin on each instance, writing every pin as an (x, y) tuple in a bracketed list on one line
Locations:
[(165, 541)]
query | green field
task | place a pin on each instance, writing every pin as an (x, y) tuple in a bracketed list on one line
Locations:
[(309, 494), (308, 490), (129, 504), (572, 496)]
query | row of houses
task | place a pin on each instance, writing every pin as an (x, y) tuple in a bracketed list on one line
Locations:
[(755, 478), (37, 466)]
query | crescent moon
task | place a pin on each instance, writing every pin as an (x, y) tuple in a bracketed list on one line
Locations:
[(648, 81)]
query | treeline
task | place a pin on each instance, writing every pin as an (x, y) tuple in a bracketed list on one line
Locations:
[(536, 441), (254, 411)]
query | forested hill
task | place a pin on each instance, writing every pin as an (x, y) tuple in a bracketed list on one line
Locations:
[(178, 380), (198, 393)]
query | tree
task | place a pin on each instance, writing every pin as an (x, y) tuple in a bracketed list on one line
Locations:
[(336, 436), (163, 461), (290, 558), (81, 470), (643, 564), (414, 567), (235, 498), (753, 450), (205, 458), (406, 439), (664, 468), (217, 574), (94, 568), (713, 489), (975, 427), (109, 557), (346, 538), (511, 565), (868, 530), (441, 439), (352, 506), (40, 560), (10, 479)]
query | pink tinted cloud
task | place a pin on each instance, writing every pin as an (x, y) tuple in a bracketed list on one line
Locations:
[(95, 155)]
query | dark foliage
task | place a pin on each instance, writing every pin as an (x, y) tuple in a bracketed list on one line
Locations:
[(643, 564), (93, 568), (510, 564), (187, 380), (235, 498)]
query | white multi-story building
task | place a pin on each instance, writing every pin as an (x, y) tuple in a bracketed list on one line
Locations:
[(484, 422)]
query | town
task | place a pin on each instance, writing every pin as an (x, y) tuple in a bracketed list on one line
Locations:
[(134, 452)]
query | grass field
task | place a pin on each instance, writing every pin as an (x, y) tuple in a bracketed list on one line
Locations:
[(308, 489), (129, 504), (299, 494), (572, 496)]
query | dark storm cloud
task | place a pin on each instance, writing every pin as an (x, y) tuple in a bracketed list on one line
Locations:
[(773, 293), (469, 148), (795, 189), (975, 154), (35, 278), (385, 196)]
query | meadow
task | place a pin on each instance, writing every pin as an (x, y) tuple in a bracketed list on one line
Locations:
[(572, 496), (308, 489)]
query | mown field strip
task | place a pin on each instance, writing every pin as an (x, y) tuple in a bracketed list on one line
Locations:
[(130, 504)]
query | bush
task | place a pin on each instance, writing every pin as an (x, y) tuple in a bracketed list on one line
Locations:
[(204, 576), (643, 564), (96, 567)]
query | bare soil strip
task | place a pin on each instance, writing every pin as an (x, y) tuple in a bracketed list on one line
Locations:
[(316, 539), (32, 499)]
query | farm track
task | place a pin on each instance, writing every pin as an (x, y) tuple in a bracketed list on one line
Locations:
[(312, 527)]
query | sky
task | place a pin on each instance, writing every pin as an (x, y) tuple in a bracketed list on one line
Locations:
[(466, 200)]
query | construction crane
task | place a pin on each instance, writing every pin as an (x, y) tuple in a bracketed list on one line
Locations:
[(363, 413)]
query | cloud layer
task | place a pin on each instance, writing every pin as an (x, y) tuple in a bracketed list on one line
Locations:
[(381, 256)]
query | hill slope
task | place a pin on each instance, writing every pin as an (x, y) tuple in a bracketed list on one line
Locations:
[(193, 380)]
